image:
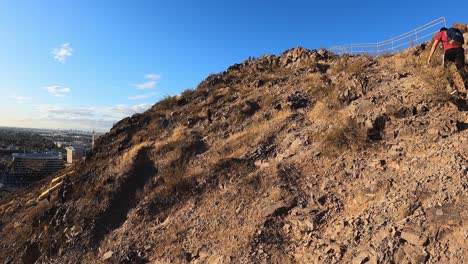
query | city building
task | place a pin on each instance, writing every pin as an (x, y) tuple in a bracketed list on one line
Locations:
[(75, 153), (28, 168), (60, 144)]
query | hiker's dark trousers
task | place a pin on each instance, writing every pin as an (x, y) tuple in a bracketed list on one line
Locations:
[(457, 56)]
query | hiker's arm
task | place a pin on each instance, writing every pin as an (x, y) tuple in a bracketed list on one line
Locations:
[(434, 46)]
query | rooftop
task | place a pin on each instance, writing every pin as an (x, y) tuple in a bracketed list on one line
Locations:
[(38, 155), (77, 148)]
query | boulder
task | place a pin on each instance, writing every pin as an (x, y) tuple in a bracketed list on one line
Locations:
[(462, 27), (298, 100), (414, 238), (250, 107)]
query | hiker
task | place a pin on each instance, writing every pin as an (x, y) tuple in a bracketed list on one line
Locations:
[(452, 42)]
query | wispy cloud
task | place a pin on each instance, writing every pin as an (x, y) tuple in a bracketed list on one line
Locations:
[(142, 96), (152, 76), (126, 110), (57, 90), (20, 98), (61, 53), (101, 118), (146, 85), (150, 84)]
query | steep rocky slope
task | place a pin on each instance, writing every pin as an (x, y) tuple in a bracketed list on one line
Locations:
[(300, 158)]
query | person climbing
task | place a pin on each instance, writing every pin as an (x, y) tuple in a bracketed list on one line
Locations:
[(452, 42)]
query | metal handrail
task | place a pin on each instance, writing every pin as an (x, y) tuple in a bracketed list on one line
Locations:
[(408, 39)]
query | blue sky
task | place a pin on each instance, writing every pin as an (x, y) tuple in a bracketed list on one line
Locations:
[(86, 64)]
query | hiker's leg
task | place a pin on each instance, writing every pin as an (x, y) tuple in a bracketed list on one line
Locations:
[(460, 59), (449, 56), (460, 63)]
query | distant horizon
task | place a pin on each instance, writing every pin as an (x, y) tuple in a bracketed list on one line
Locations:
[(53, 129), (86, 65)]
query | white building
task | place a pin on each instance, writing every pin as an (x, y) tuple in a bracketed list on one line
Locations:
[(75, 153)]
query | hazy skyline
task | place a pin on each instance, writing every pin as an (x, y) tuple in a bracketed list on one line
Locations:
[(87, 64)]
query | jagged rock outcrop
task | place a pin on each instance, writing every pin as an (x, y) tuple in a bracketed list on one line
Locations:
[(462, 27), (305, 157)]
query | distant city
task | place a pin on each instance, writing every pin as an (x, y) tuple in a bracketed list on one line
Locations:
[(28, 154)]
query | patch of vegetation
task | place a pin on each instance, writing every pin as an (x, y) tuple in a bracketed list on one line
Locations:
[(218, 94), (175, 173), (164, 146), (386, 55), (316, 87), (26, 141), (168, 102), (239, 143), (126, 160), (351, 65), (177, 169), (187, 92), (349, 135), (439, 82)]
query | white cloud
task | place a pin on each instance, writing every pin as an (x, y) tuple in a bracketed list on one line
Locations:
[(99, 118), (142, 96), (146, 85), (150, 84), (126, 110), (20, 98), (152, 76), (57, 90), (69, 112), (61, 53)]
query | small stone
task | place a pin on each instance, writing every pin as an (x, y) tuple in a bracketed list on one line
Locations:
[(439, 212), (432, 131), (107, 255), (413, 238)]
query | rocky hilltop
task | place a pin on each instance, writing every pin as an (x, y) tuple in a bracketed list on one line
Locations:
[(305, 157)]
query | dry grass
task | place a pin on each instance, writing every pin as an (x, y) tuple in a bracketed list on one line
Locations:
[(168, 102), (348, 135), (178, 135), (125, 161), (217, 94), (324, 114), (175, 173), (319, 90), (351, 66), (316, 87), (272, 76), (438, 82), (187, 93), (332, 100), (170, 148), (238, 144)]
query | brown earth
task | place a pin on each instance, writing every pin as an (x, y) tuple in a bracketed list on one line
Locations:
[(300, 158)]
